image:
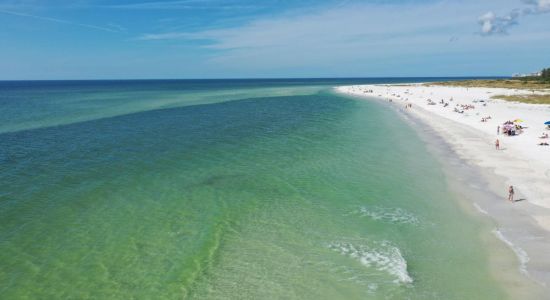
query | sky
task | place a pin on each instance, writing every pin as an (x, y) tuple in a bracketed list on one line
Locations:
[(148, 39)]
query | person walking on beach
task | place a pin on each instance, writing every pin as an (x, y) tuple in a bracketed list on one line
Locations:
[(511, 194), (497, 144)]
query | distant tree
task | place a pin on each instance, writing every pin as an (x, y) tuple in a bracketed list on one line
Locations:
[(545, 73)]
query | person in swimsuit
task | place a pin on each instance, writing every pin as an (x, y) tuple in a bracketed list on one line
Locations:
[(497, 144), (511, 194)]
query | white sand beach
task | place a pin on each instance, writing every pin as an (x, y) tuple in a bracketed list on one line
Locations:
[(455, 114)]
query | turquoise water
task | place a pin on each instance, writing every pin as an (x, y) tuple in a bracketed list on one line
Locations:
[(217, 190)]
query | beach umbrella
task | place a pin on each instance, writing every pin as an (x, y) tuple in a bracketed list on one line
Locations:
[(518, 120), (547, 123)]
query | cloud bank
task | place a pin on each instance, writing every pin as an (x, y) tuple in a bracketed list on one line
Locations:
[(492, 24)]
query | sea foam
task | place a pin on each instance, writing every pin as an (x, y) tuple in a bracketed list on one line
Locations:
[(481, 210), (391, 215), (520, 253), (383, 257)]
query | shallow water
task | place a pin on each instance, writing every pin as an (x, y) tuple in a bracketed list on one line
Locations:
[(255, 190)]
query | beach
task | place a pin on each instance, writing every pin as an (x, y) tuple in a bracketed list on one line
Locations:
[(257, 189), (467, 119), (171, 149)]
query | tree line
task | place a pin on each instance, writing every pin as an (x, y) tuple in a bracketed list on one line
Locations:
[(545, 74)]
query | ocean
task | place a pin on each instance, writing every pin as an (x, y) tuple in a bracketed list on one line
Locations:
[(226, 189)]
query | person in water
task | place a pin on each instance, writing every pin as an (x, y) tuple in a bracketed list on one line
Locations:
[(511, 194)]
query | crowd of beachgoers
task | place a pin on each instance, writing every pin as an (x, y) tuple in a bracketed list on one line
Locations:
[(508, 128)]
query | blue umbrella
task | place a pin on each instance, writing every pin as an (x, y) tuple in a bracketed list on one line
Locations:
[(547, 123)]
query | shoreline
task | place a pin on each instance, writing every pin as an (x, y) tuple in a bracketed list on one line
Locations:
[(463, 146)]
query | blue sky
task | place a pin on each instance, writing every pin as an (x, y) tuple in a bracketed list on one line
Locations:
[(85, 39)]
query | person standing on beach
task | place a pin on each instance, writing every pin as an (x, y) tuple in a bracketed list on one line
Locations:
[(511, 194), (498, 129), (497, 144)]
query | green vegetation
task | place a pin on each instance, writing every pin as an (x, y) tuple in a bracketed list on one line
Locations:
[(544, 77), (514, 83), (532, 99), (530, 84)]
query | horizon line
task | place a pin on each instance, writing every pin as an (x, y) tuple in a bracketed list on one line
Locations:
[(254, 78)]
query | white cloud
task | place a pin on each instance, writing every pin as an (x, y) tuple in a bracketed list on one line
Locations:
[(341, 24), (540, 5), (163, 36), (183, 5), (325, 37), (351, 37), (109, 28), (492, 24)]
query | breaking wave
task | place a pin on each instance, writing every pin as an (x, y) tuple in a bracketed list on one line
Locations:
[(383, 257)]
